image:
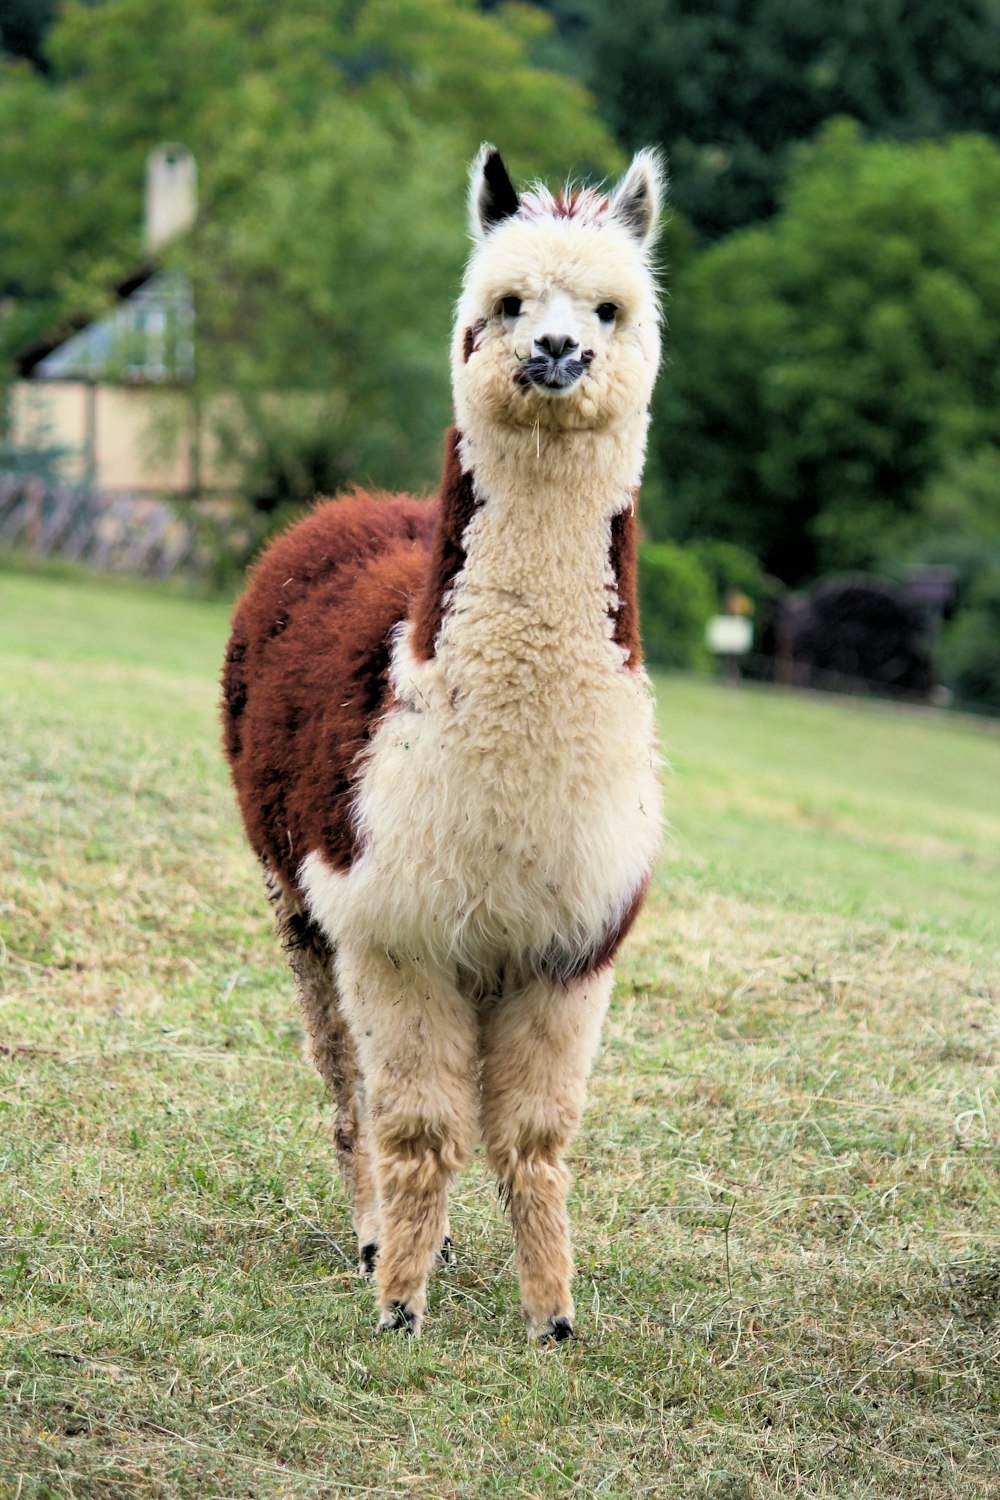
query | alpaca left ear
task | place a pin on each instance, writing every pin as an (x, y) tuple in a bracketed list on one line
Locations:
[(492, 196), (638, 198)]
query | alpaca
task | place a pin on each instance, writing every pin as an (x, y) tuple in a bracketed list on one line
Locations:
[(442, 742)]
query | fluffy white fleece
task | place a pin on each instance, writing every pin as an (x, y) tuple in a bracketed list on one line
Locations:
[(511, 805)]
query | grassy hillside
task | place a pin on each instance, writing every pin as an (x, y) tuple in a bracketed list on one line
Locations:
[(786, 1199)]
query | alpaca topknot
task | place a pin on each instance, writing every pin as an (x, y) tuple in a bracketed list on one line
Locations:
[(584, 204), (635, 204)]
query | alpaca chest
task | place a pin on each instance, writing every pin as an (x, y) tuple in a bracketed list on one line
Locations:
[(505, 821)]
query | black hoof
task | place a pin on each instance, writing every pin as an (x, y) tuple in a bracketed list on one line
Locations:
[(368, 1254), (557, 1329), (398, 1318)]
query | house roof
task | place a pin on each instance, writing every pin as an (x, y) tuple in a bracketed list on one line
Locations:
[(147, 338)]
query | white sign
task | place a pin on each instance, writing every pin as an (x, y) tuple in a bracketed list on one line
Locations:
[(729, 635)]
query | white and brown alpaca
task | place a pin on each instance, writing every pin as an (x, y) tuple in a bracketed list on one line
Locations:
[(442, 741)]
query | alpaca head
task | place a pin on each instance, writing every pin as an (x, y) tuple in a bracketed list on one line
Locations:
[(558, 323)]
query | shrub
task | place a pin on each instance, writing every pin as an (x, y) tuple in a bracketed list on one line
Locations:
[(730, 568), (855, 631), (676, 599), (957, 525), (969, 655)]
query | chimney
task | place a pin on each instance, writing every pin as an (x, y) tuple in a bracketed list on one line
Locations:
[(171, 195)]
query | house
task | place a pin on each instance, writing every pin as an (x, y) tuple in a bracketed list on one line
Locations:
[(115, 398)]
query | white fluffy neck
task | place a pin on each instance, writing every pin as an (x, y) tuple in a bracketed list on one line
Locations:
[(575, 470), (534, 594)]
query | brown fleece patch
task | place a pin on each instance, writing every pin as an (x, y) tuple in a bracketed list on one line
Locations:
[(471, 341), (560, 964), (623, 557), (305, 677), (234, 688), (458, 506), (614, 934)]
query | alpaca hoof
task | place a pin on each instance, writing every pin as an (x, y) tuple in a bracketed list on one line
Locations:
[(446, 1255), (400, 1319), (556, 1330), (367, 1255)]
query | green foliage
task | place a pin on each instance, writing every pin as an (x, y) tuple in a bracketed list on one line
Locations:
[(681, 587), (731, 89), (43, 460), (956, 524), (823, 366), (332, 142), (731, 568), (328, 281), (563, 46), (965, 495), (23, 28), (675, 602), (969, 656)]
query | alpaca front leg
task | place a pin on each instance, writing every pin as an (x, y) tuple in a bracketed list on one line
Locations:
[(538, 1046), (417, 1042)]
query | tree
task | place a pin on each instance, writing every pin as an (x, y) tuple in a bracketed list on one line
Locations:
[(969, 657), (23, 28), (333, 140), (956, 526), (824, 365), (731, 88)]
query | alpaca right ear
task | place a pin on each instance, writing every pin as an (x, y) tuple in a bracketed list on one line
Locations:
[(492, 196), (637, 199)]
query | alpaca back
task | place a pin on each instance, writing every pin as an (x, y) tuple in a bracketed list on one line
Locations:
[(305, 676)]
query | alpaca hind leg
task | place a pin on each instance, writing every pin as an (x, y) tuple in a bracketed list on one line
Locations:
[(417, 1042), (332, 1049), (538, 1046)]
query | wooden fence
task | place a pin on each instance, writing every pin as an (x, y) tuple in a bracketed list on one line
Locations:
[(121, 533)]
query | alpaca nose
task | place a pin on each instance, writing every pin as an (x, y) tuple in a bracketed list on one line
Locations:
[(556, 344)]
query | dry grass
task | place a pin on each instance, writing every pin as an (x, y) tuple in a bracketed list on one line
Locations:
[(787, 1189)]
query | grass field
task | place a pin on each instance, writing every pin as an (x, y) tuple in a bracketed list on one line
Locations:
[(787, 1197)]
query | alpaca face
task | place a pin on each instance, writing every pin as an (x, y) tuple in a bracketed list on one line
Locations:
[(558, 324)]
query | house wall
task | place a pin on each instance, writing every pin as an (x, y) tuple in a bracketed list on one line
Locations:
[(119, 438)]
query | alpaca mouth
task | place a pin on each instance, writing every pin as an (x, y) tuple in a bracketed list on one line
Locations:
[(548, 374)]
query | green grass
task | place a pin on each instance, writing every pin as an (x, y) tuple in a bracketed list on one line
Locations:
[(786, 1198)]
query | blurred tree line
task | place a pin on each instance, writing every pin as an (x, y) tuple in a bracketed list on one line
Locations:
[(830, 398)]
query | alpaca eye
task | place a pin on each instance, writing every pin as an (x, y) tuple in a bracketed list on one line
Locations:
[(511, 306), (607, 312)]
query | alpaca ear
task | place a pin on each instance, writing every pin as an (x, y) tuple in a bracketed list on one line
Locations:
[(638, 198), (492, 197)]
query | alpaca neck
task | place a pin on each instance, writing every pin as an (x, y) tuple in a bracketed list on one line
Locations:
[(545, 575), (584, 474)]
